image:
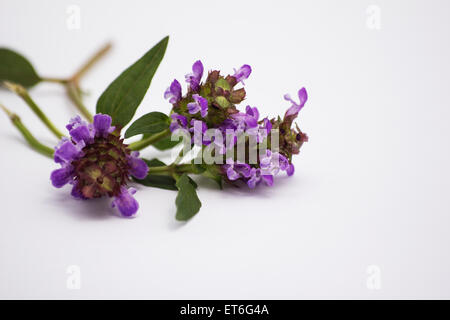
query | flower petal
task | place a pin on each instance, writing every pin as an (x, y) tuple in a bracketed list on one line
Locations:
[(173, 93), (125, 202), (243, 73), (61, 177), (268, 179), (66, 152), (197, 69), (138, 167), (81, 133), (232, 174), (290, 170), (193, 107), (102, 124)]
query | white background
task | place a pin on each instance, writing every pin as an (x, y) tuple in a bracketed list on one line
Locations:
[(371, 187)]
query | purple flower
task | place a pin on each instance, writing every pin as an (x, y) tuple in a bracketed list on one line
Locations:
[(267, 125), (200, 105), (295, 108), (66, 151), (195, 77), (138, 167), (249, 119), (97, 163), (256, 176), (235, 171), (242, 73), (61, 177), (102, 125), (173, 93), (290, 170), (125, 202), (198, 128), (178, 122)]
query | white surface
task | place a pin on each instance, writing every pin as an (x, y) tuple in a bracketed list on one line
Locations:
[(371, 187)]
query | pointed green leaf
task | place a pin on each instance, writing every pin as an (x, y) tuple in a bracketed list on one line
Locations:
[(187, 201), (150, 123), (154, 162), (17, 69), (158, 181), (166, 143), (155, 180), (123, 96)]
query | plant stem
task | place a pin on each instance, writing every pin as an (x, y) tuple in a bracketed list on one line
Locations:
[(72, 84), (90, 62), (179, 158), (32, 141), (55, 80), (23, 93), (73, 91), (172, 169), (141, 144)]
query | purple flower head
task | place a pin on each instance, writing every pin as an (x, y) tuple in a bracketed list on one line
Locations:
[(195, 77), (200, 104), (295, 108), (173, 93), (97, 163), (242, 73), (178, 122)]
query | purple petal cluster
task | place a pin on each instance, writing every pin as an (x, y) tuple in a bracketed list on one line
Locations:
[(269, 166), (220, 98), (72, 154), (194, 78), (242, 73), (296, 107), (200, 104), (173, 93)]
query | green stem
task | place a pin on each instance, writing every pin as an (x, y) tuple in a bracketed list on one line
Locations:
[(179, 158), (73, 92), (171, 170), (72, 84), (32, 141), (141, 144), (55, 80), (23, 93), (89, 63)]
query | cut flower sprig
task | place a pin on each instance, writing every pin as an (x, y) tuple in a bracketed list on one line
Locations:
[(96, 161), (94, 158)]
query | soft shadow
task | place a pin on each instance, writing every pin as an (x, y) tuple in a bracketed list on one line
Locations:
[(93, 209)]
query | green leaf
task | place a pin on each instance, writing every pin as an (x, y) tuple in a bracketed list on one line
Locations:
[(158, 181), (166, 143), (155, 180), (17, 69), (150, 123), (213, 172), (187, 200), (123, 96), (154, 162)]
